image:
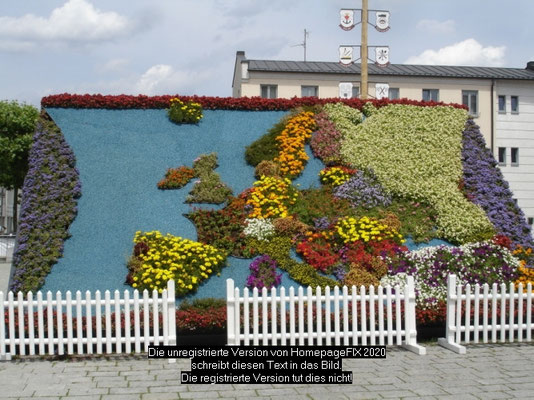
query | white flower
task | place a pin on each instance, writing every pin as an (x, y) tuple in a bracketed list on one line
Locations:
[(261, 229)]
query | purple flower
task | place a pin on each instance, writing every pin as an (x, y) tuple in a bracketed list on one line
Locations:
[(484, 185), (48, 207), (263, 273), (363, 190)]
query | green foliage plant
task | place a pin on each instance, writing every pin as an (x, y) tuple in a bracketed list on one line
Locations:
[(320, 202), (17, 125), (266, 147), (223, 228), (208, 188)]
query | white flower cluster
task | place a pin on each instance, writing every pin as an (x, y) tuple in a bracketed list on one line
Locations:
[(431, 284), (261, 229), (416, 152)]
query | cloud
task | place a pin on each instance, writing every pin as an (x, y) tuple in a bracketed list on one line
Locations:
[(114, 65), (153, 78), (434, 26), (468, 52), (164, 79), (76, 21)]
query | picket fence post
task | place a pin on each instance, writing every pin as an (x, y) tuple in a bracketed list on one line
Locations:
[(451, 328), (409, 314), (170, 334), (230, 310), (4, 356)]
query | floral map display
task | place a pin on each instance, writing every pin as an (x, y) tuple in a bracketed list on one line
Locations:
[(395, 177)]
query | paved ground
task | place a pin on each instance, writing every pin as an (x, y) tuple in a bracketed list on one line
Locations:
[(485, 372)]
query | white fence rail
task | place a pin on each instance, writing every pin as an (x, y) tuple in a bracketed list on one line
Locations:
[(355, 318), (86, 324), (483, 314)]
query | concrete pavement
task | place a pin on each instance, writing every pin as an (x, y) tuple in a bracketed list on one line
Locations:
[(486, 372)]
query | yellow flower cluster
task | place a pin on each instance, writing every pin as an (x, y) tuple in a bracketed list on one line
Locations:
[(188, 112), (171, 257), (291, 141), (271, 198), (526, 274), (350, 229), (335, 176)]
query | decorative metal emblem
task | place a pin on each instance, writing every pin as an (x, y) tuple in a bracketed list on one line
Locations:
[(345, 90), (382, 90), (382, 21), (382, 56), (345, 55), (347, 19)]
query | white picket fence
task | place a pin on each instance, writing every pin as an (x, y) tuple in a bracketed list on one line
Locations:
[(359, 317), (86, 324), (472, 315)]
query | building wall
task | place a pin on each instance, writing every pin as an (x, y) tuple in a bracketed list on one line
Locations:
[(6, 211), (517, 130), (450, 90)]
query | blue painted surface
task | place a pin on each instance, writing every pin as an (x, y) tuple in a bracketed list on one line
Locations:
[(121, 155)]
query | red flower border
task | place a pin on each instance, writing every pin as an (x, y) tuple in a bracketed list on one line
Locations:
[(123, 101)]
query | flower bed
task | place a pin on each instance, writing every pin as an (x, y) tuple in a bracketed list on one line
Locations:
[(67, 100), (158, 259), (351, 230), (49, 199), (384, 185)]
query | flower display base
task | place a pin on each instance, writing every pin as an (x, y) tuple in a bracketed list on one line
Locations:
[(191, 339)]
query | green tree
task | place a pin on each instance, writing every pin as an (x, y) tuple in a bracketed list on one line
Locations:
[(17, 125)]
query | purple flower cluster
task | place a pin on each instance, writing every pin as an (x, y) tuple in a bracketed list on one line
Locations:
[(263, 273), (48, 207), (484, 185), (322, 223), (363, 190), (480, 263), (326, 140)]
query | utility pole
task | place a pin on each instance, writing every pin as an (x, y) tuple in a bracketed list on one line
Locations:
[(364, 54), (303, 44), (381, 52)]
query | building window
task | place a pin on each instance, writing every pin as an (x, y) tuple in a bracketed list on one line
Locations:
[(502, 155), (514, 104), (355, 92), (309, 91), (430, 94), (530, 221), (514, 156), (502, 104), (269, 91), (393, 93), (470, 99)]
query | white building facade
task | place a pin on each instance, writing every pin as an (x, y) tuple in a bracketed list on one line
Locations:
[(501, 100), (6, 211)]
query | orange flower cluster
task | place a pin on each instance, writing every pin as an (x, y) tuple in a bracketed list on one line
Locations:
[(526, 273), (176, 178), (291, 152)]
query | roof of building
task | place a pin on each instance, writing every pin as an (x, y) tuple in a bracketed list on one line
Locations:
[(441, 71)]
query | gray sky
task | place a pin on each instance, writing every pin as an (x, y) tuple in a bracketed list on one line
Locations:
[(188, 46)]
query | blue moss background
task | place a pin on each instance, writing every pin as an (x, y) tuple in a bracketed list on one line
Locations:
[(121, 155)]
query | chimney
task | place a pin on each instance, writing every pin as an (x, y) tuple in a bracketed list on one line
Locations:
[(530, 65)]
